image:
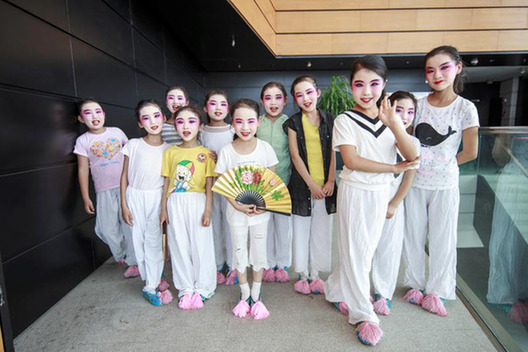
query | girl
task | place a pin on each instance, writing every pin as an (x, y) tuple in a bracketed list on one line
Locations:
[(367, 137), (175, 98), (141, 193), (186, 208), (246, 219), (273, 97), (444, 120), (215, 135), (386, 262), (98, 152), (311, 185)]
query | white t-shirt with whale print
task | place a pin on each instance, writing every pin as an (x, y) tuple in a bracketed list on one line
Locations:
[(440, 133)]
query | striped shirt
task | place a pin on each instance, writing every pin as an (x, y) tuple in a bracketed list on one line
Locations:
[(169, 134)]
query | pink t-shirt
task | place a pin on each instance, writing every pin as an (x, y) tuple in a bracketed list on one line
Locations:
[(103, 153)]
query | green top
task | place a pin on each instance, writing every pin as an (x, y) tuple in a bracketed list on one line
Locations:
[(273, 133)]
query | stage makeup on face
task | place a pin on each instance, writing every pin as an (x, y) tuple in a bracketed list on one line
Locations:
[(367, 88), (175, 99), (151, 119), (306, 95), (245, 122), (187, 125), (92, 115)]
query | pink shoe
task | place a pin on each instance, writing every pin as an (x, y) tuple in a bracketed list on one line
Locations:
[(166, 296), (131, 272), (414, 296), (519, 312), (121, 262), (303, 287), (242, 309), (269, 275), (432, 303), (185, 302), (369, 333), (196, 301), (259, 311), (282, 275), (231, 277), (163, 286), (317, 286), (381, 305), (342, 308), (220, 278)]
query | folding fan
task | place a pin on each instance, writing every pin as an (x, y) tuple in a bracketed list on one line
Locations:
[(252, 184)]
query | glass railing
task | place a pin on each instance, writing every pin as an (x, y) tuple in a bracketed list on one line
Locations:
[(493, 235)]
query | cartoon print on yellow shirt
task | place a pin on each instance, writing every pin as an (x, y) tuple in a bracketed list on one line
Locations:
[(184, 173)]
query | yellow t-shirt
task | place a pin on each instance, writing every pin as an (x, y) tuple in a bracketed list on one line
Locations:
[(187, 168), (314, 151)]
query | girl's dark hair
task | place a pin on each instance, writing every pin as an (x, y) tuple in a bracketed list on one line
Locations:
[(372, 63), (185, 94), (273, 85), (214, 92), (451, 51), (399, 95), (306, 78), (82, 102), (192, 108), (244, 103), (142, 103)]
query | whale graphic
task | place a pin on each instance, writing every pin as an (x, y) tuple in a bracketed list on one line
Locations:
[(429, 136)]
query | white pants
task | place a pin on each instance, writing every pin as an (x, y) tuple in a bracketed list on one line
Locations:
[(191, 245), (432, 216), (312, 240), (360, 218), (110, 227), (257, 246), (279, 241), (386, 262), (222, 237), (146, 233)]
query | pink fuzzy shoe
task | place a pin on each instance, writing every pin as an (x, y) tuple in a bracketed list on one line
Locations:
[(342, 308), (220, 278), (132, 272), (369, 333), (259, 311), (519, 312), (381, 305), (414, 296), (163, 286), (166, 296), (121, 262), (231, 277), (317, 286), (302, 286), (269, 275), (196, 301), (432, 303), (281, 275), (242, 309), (185, 302)]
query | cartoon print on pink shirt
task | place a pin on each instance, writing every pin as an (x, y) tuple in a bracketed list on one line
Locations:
[(106, 149)]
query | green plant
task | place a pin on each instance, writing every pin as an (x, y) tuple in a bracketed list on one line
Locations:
[(337, 97)]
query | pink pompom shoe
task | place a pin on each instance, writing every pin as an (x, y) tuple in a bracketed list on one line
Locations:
[(519, 312), (269, 275), (317, 286), (281, 275), (121, 262), (231, 278), (302, 286), (166, 296), (185, 302), (414, 296), (259, 311), (163, 286), (369, 333), (341, 307), (434, 304), (381, 305), (220, 278), (242, 309), (132, 271), (197, 301)]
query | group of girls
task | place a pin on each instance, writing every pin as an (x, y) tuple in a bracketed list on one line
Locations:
[(385, 168)]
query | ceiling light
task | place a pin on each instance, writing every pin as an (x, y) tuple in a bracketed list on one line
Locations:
[(309, 64), (474, 61), (233, 42)]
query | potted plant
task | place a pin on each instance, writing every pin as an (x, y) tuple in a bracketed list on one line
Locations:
[(337, 97)]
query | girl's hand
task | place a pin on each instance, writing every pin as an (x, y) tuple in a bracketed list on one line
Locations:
[(405, 165), (387, 113), (164, 219), (328, 188), (259, 211), (127, 216), (89, 207), (248, 209), (316, 191), (213, 155), (391, 210), (206, 218)]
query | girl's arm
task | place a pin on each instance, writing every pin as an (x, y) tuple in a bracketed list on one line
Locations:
[(123, 184), (84, 172), (405, 186), (206, 217), (357, 163), (301, 168), (247, 209), (328, 188), (469, 145), (164, 219)]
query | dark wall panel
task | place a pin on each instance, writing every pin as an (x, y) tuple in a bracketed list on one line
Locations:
[(149, 59), (53, 11), (147, 23), (123, 118), (150, 89), (122, 7)]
